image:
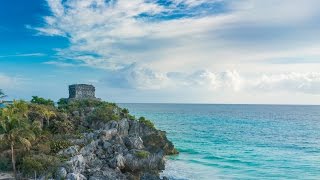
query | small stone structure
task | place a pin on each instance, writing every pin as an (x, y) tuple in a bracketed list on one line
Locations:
[(82, 91)]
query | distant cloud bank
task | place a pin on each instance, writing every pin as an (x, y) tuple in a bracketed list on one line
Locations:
[(220, 45)]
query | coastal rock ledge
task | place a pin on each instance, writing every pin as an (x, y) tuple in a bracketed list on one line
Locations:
[(125, 149)]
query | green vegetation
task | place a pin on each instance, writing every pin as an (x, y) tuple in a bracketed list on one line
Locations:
[(39, 163), (2, 95), (57, 145), (31, 133), (40, 100), (142, 154), (15, 129), (146, 122), (105, 112)]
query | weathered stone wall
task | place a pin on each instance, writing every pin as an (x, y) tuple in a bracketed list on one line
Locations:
[(80, 91)]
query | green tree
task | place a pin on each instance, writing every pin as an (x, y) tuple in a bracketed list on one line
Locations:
[(15, 128), (2, 95), (41, 113), (125, 112), (42, 101), (48, 114)]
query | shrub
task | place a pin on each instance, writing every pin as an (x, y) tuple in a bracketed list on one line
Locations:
[(131, 117), (44, 148), (42, 101), (124, 113), (146, 122), (62, 103), (79, 104), (106, 112), (142, 154), (5, 163), (42, 164), (58, 145), (62, 127)]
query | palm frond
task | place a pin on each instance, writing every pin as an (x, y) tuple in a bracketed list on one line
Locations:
[(25, 142)]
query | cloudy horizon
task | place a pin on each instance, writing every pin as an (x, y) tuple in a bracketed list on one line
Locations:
[(166, 51)]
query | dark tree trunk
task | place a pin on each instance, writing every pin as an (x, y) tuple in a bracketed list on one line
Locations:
[(48, 122), (13, 162)]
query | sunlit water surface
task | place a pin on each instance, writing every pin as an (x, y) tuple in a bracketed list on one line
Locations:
[(238, 141)]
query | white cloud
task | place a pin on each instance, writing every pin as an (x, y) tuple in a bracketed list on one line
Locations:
[(215, 81), (290, 82), (24, 55), (229, 81), (100, 28), (60, 64), (138, 77), (236, 46), (109, 34), (9, 82), (194, 2)]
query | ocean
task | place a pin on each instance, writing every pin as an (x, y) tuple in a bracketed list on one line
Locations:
[(238, 141)]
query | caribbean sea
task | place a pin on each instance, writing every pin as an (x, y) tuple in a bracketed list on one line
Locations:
[(238, 141)]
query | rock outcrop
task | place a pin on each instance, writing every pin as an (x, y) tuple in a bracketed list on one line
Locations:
[(125, 149)]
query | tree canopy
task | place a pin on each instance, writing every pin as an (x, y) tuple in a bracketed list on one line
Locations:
[(40, 100)]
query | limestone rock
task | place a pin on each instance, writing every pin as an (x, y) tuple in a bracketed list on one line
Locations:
[(75, 176), (61, 173), (70, 151), (123, 127), (108, 174), (118, 162), (108, 134), (76, 164), (134, 142), (119, 150)]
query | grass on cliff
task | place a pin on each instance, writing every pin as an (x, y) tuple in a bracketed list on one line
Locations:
[(48, 127), (146, 122), (142, 154)]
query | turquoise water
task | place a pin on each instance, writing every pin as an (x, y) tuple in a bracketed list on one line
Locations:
[(239, 141)]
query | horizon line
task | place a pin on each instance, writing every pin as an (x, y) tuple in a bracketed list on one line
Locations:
[(195, 103)]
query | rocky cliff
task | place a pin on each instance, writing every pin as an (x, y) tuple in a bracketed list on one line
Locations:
[(82, 139), (124, 149)]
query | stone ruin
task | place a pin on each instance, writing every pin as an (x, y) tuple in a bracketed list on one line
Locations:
[(82, 91)]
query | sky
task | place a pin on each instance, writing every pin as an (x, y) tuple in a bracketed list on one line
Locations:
[(163, 51)]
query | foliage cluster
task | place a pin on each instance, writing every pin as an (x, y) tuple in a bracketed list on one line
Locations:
[(142, 154), (146, 122), (105, 112), (57, 145), (39, 163), (33, 132), (40, 100)]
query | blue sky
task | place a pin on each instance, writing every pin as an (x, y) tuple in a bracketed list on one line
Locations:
[(179, 51)]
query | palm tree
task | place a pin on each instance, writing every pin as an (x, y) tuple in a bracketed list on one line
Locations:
[(48, 114), (2, 95), (15, 129)]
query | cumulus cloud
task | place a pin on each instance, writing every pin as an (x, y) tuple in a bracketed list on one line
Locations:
[(99, 30), (227, 81), (7, 82), (290, 82), (150, 45), (137, 77), (112, 34)]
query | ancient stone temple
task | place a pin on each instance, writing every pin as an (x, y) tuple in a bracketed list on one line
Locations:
[(81, 91)]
